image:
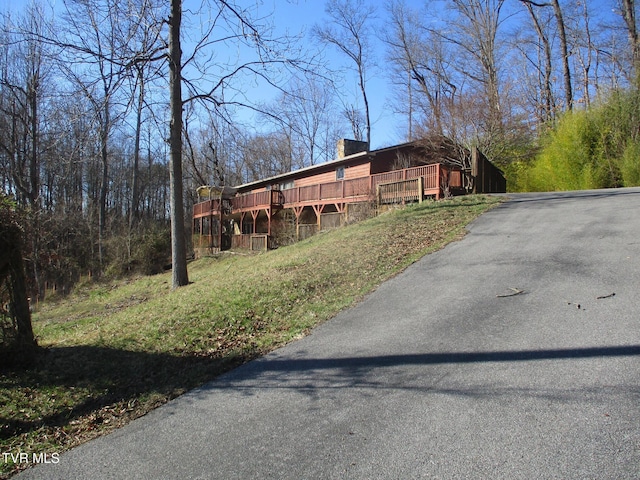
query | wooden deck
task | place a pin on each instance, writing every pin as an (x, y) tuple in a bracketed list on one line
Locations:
[(398, 186), (336, 193)]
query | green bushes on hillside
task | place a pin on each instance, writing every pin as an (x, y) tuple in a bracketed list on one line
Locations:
[(596, 148), (630, 165)]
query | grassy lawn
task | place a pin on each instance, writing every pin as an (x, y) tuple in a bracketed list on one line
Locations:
[(112, 352)]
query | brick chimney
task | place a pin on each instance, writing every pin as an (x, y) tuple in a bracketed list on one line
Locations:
[(348, 147)]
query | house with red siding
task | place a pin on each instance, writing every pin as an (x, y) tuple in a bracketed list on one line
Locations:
[(296, 204)]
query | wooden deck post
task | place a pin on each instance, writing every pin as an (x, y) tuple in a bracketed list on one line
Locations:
[(420, 189), (220, 228), (268, 211), (254, 214), (403, 194), (318, 210), (298, 211)]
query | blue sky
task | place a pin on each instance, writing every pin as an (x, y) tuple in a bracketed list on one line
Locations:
[(301, 16)]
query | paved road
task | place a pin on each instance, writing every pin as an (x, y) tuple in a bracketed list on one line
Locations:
[(434, 375)]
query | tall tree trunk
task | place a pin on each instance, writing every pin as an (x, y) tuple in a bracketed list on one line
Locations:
[(33, 86), (547, 94), (104, 184), (629, 16), (565, 55), (586, 62), (410, 105), (135, 201), (20, 304), (178, 242), (21, 343), (352, 38), (363, 90), (34, 173), (134, 212)]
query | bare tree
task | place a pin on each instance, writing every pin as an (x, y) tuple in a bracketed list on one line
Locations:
[(23, 80), (96, 44), (350, 34), (213, 151), (178, 247), (267, 155), (580, 32), (356, 120), (219, 87), (419, 55), (142, 72), (627, 10), (478, 25), (545, 106), (564, 47), (566, 71), (305, 113), (452, 57)]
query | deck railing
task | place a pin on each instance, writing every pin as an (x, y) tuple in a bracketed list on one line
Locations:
[(350, 189), (258, 199), (401, 191), (430, 173), (205, 208)]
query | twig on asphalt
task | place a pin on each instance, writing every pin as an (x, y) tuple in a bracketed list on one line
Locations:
[(606, 296), (516, 291)]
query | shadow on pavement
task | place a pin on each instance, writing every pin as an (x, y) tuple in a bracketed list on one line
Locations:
[(302, 364), (547, 196)]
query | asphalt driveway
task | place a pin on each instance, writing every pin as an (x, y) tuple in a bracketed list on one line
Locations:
[(512, 354)]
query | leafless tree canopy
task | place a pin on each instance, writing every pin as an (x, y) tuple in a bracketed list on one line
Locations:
[(494, 73), (350, 32)]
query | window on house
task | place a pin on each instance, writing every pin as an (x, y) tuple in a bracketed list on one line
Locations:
[(286, 185), (340, 173)]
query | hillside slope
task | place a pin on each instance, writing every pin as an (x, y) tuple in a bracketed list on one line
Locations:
[(112, 352)]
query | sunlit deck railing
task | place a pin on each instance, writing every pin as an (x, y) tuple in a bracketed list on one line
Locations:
[(350, 190)]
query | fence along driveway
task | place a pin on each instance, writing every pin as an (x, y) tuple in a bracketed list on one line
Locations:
[(443, 372)]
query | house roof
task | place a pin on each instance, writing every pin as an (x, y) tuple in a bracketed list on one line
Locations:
[(306, 170), (439, 147)]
